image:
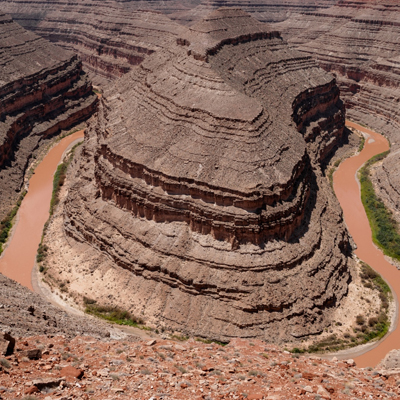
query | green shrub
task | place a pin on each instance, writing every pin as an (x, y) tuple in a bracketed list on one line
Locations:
[(383, 225), (113, 314)]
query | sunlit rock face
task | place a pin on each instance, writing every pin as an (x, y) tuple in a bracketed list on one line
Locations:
[(358, 41)]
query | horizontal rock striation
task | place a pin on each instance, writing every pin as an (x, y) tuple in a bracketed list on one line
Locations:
[(264, 10), (42, 91), (112, 36), (200, 183), (109, 36), (25, 313)]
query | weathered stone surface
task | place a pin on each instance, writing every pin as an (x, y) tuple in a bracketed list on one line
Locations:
[(72, 372), (201, 183), (109, 36), (42, 90), (260, 373), (32, 354), (16, 299), (7, 344), (47, 383)]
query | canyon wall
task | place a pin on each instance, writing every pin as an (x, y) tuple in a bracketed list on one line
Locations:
[(108, 36), (200, 189), (42, 91), (111, 36), (359, 42)]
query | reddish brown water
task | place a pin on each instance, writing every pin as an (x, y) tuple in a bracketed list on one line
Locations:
[(348, 192), (19, 257)]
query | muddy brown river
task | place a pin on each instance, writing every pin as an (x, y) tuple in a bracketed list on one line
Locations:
[(347, 190), (19, 257)]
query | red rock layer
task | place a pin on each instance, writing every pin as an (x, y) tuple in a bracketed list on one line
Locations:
[(158, 369), (201, 178), (42, 91)]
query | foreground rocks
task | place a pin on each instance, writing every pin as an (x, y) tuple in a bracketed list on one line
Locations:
[(207, 212), (86, 368), (43, 90), (24, 313)]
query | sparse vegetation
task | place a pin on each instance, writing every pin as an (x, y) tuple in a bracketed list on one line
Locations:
[(332, 171), (58, 182), (179, 338), (209, 341), (364, 330), (59, 179), (362, 143), (385, 233), (7, 223), (113, 314)]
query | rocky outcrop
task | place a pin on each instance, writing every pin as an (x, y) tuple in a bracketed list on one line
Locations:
[(201, 184), (42, 91), (23, 313)]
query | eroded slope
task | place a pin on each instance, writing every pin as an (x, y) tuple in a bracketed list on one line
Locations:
[(109, 36)]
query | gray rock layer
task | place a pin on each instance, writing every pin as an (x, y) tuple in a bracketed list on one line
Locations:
[(23, 313)]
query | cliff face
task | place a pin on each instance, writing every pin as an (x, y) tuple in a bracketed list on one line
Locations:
[(358, 41), (263, 10), (201, 183), (42, 90), (109, 36)]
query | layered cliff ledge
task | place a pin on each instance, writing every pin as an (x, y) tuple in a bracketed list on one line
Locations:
[(42, 91), (199, 199), (112, 36)]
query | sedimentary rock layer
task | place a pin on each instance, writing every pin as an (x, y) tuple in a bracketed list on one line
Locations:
[(109, 36), (42, 90), (25, 313), (263, 10), (358, 41), (201, 182)]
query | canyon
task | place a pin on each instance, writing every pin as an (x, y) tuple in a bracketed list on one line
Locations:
[(199, 199), (43, 90), (112, 36)]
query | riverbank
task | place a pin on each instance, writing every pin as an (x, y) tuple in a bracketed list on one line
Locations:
[(32, 215), (347, 189)]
